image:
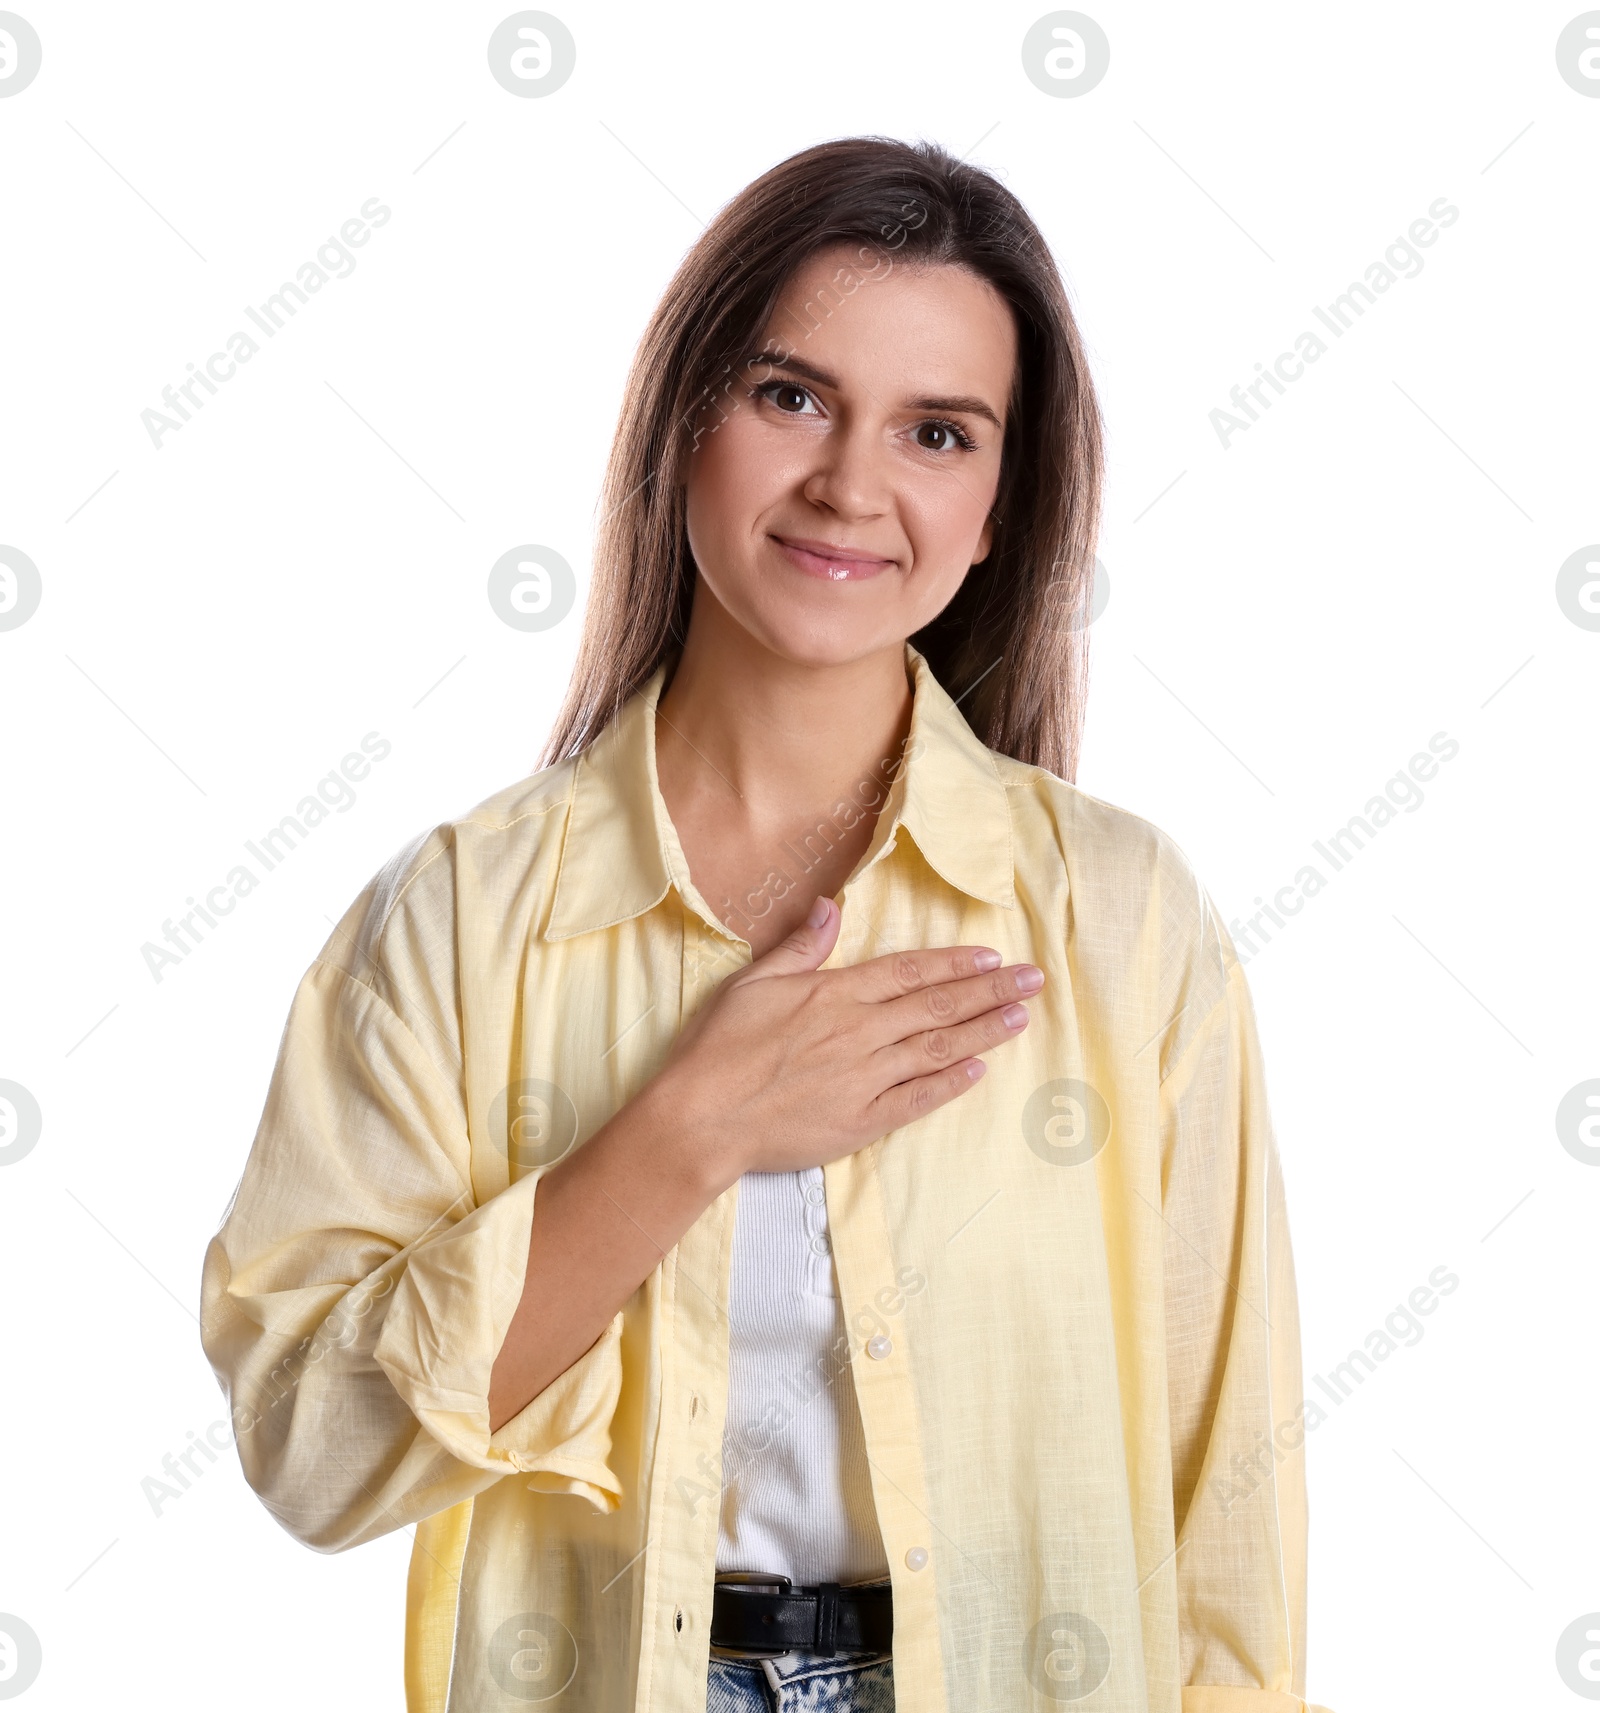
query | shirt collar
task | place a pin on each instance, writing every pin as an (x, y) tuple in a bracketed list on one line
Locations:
[(621, 852)]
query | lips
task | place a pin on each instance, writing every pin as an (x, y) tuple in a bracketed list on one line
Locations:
[(832, 563)]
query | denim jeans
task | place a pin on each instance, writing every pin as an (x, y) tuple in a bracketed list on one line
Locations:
[(802, 1683)]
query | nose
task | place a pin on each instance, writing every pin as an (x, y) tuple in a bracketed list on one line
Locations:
[(850, 476)]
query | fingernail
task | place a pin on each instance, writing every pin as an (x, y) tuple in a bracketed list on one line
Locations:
[(976, 1068), (1029, 978), (1014, 1016), (986, 960), (819, 912)]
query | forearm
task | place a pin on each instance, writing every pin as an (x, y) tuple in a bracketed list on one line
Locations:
[(603, 1220)]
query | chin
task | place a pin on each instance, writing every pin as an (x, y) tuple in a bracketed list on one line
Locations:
[(838, 640)]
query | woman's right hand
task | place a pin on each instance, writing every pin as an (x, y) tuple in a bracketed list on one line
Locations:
[(787, 1066)]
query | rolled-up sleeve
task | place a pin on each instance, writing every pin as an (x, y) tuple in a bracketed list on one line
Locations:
[(356, 1296), (1234, 1375)]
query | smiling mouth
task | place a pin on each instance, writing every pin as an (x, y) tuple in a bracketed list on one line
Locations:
[(833, 564)]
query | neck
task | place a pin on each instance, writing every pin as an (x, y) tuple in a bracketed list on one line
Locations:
[(767, 741)]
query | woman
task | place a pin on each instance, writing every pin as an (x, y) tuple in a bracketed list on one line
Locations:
[(631, 1212)]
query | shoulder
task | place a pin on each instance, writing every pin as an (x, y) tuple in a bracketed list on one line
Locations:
[(1139, 912), (1108, 850), (409, 913)]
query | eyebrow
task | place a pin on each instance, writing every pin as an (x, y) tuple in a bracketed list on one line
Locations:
[(962, 404)]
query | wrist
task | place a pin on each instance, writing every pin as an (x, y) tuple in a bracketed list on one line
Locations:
[(681, 1127)]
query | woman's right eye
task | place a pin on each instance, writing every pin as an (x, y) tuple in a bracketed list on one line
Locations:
[(789, 398)]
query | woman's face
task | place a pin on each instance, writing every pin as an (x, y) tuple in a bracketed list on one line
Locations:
[(841, 486)]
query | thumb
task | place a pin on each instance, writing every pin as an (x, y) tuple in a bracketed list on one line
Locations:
[(806, 947)]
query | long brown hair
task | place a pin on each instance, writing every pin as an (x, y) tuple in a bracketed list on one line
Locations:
[(1013, 643)]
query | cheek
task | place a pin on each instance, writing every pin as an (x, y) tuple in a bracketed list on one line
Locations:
[(733, 476), (945, 516), (737, 468)]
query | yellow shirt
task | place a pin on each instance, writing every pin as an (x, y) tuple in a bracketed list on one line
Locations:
[(1069, 1291)]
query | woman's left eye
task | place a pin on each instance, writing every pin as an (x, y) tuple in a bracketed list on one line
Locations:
[(941, 437)]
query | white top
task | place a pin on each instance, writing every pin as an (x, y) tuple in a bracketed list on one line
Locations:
[(796, 1493)]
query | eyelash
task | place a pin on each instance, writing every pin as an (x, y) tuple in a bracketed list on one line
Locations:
[(962, 439)]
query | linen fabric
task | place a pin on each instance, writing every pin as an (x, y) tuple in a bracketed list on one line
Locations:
[(1069, 1292)]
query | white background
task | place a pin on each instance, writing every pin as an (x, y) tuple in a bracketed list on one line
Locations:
[(223, 618)]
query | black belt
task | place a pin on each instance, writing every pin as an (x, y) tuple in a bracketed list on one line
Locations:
[(754, 1613)]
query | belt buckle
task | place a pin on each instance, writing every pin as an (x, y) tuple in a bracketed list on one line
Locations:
[(782, 1583)]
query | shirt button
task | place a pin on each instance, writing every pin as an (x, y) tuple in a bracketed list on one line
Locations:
[(816, 1195), (820, 1244), (916, 1558), (877, 1349)]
